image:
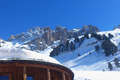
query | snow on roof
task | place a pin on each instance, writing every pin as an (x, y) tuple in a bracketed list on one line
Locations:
[(8, 53)]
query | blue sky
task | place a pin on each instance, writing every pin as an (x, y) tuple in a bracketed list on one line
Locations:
[(17, 16)]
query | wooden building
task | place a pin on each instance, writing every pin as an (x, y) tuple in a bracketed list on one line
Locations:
[(22, 64), (33, 70)]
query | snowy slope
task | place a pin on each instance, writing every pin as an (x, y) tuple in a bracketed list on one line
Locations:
[(115, 33), (8, 51), (90, 64), (84, 61), (96, 75), (85, 57)]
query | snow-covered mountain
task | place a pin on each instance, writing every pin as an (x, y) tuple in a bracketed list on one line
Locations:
[(83, 49), (40, 38)]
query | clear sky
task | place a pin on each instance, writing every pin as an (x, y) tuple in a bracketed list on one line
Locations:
[(17, 16)]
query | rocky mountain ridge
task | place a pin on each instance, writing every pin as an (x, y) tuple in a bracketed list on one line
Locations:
[(109, 43), (40, 38), (62, 40), (80, 49)]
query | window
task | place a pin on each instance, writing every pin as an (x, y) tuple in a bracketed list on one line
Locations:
[(29, 78), (4, 77)]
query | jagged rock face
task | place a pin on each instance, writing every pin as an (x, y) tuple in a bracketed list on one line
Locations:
[(47, 36), (60, 34), (37, 44), (20, 37), (33, 38), (39, 38), (89, 29), (75, 32), (29, 35)]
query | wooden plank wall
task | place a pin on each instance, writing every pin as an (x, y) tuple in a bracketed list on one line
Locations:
[(18, 72)]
